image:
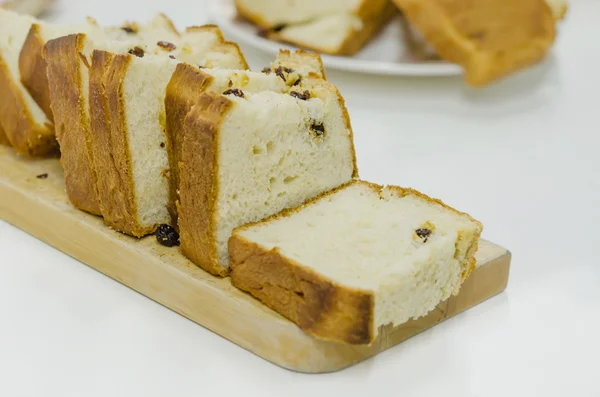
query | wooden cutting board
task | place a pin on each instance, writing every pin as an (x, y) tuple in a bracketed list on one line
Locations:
[(32, 197)]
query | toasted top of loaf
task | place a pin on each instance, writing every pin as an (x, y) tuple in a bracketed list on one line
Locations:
[(489, 38), (407, 250)]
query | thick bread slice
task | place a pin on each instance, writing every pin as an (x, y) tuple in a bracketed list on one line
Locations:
[(136, 89), (189, 82), (336, 34), (245, 158), (25, 125), (68, 60), (489, 38), (355, 259)]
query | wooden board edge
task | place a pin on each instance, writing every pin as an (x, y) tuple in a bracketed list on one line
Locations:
[(44, 212)]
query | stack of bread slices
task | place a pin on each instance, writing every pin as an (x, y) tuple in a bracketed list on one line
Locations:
[(252, 173)]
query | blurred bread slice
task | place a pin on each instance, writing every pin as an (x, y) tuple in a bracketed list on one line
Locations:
[(26, 7), (331, 27), (24, 123), (559, 8), (488, 38)]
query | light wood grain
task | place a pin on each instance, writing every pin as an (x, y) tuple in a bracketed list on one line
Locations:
[(40, 207)]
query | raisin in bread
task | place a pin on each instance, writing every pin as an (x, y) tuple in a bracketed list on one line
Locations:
[(332, 27), (189, 82), (355, 259), (130, 155), (489, 39), (23, 122), (246, 156), (68, 60)]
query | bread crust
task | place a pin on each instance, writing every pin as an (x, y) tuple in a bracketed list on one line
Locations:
[(271, 277), (118, 205), (65, 64), (3, 138), (28, 138), (186, 85), (319, 306), (483, 66), (32, 66), (199, 181)]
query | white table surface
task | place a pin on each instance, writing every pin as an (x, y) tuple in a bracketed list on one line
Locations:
[(521, 156)]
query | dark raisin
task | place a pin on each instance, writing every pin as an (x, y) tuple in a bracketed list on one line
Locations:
[(172, 56), (235, 91), (298, 81), (201, 67), (166, 45), (230, 84), (288, 70), (167, 236), (137, 51), (42, 176), (162, 144), (278, 28), (263, 32), (279, 72), (424, 234), (267, 70), (318, 128), (128, 29), (301, 95)]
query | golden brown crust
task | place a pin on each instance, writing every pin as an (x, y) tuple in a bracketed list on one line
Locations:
[(3, 138), (256, 19), (32, 66), (479, 36), (317, 305), (28, 138), (118, 204), (199, 181), (100, 142), (64, 66), (183, 91)]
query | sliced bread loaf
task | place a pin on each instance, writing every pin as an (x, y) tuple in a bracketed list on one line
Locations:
[(246, 156), (332, 27), (490, 38), (189, 82), (24, 123), (133, 179), (355, 259), (68, 60)]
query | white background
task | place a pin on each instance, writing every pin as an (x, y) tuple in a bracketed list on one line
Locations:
[(521, 156)]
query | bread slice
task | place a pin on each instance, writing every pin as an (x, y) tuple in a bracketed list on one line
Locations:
[(68, 60), (355, 259), (24, 124), (489, 38), (332, 27), (133, 179), (189, 82), (420, 50), (245, 158)]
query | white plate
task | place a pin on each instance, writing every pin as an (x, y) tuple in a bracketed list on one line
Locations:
[(386, 54)]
